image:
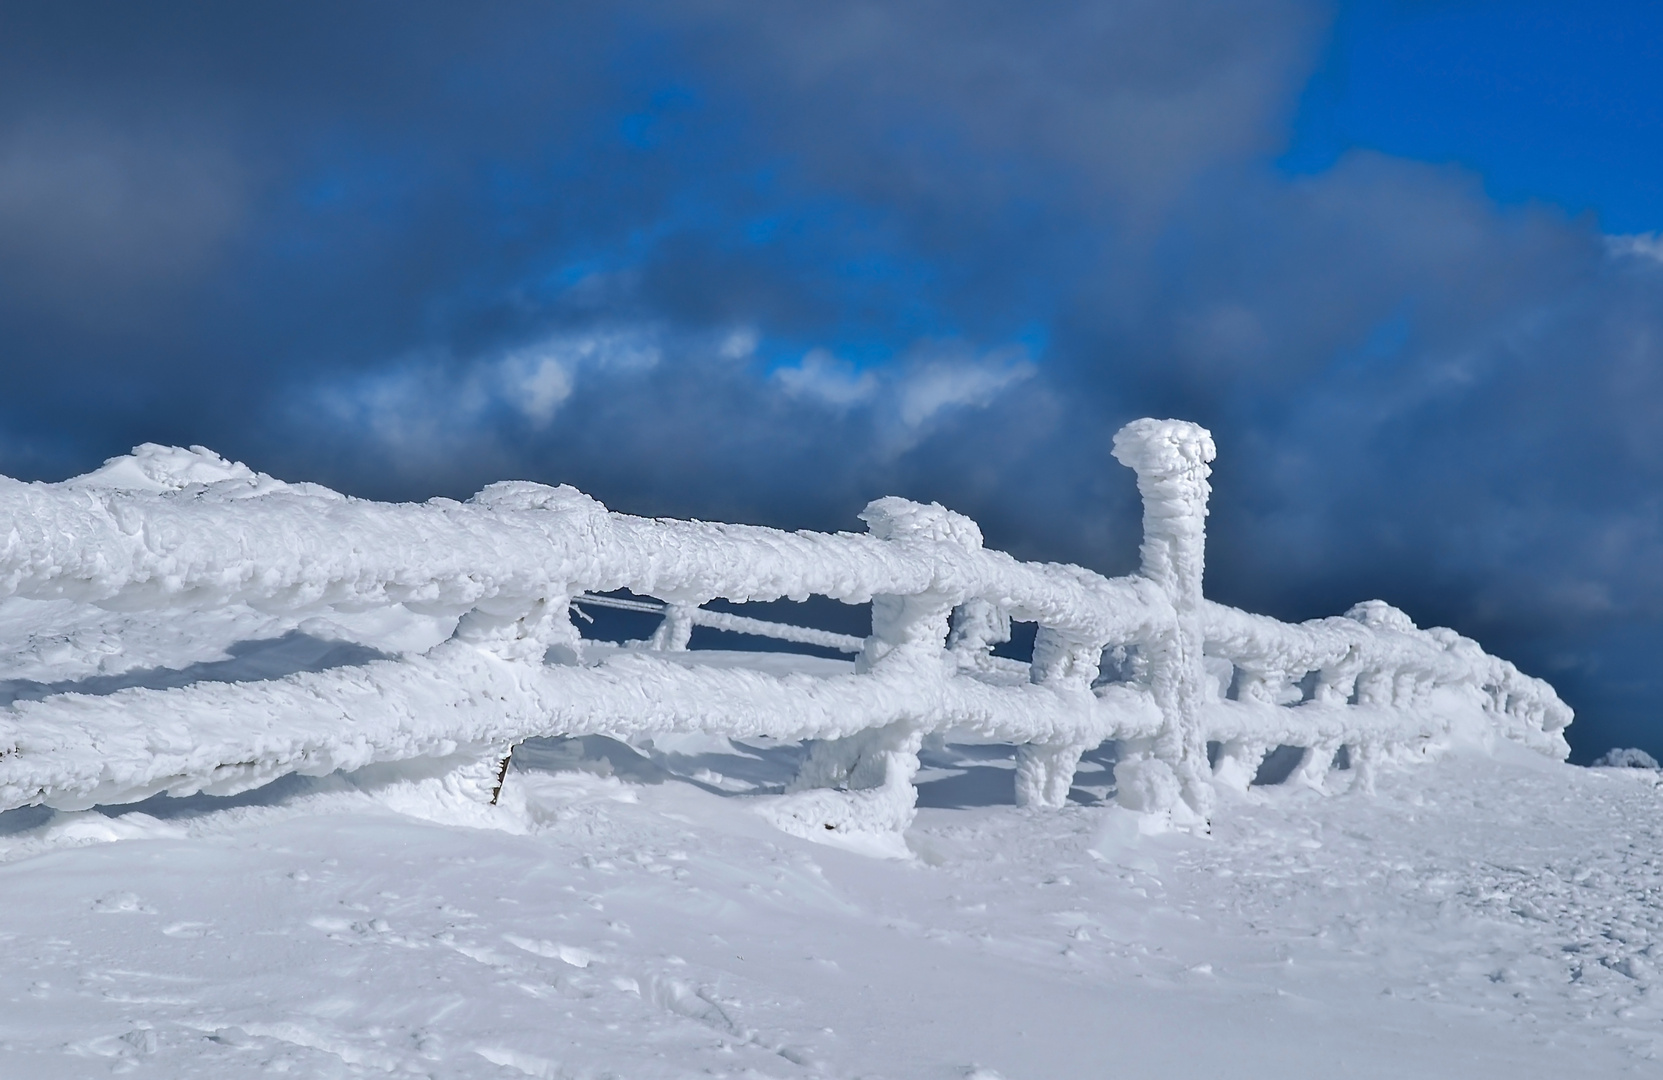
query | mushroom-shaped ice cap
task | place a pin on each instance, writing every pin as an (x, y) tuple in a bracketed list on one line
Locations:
[(1160, 448)]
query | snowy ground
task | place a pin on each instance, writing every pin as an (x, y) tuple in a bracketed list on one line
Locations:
[(636, 918)]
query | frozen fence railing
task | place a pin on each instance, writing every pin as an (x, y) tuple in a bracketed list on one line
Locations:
[(1143, 659)]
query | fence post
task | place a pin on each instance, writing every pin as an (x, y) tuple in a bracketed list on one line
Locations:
[(977, 625), (1045, 771), (863, 783), (519, 630), (1171, 460), (676, 630)]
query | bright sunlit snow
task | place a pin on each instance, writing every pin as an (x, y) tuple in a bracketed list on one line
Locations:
[(1479, 917)]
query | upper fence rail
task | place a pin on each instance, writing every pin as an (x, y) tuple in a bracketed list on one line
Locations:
[(1197, 692)]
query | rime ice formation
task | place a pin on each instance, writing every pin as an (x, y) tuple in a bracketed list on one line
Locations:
[(470, 603), (1625, 758), (1171, 459)]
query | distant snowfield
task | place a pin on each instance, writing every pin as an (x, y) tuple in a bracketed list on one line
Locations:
[(629, 914)]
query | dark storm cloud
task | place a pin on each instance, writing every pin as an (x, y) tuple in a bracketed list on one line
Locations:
[(85, 210), (767, 261)]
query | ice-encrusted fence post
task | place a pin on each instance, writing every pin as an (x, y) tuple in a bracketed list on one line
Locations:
[(676, 630), (978, 625), (1045, 771), (1239, 759), (1171, 459), (518, 630), (871, 774)]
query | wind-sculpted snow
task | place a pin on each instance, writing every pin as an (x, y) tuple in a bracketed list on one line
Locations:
[(472, 603)]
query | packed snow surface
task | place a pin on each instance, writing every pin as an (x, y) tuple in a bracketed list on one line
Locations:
[(630, 916)]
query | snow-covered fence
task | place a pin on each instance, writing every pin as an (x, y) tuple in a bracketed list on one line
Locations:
[(472, 602)]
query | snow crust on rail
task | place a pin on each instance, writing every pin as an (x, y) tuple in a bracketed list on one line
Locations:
[(77, 751), (1375, 655), (200, 531)]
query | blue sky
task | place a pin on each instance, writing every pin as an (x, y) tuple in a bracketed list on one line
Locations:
[(1548, 101), (765, 262)]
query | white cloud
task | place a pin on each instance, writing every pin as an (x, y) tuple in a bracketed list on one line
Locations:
[(413, 409), (428, 405), (931, 380), (934, 386), (906, 397), (823, 377), (1641, 245), (544, 386), (740, 344), (537, 379)]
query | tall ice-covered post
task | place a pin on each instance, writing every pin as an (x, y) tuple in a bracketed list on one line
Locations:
[(1171, 459)]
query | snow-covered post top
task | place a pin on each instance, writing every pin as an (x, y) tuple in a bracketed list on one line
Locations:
[(895, 518), (915, 624), (525, 627), (1171, 459)]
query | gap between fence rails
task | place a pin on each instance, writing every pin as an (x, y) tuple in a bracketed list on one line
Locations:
[(736, 624)]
